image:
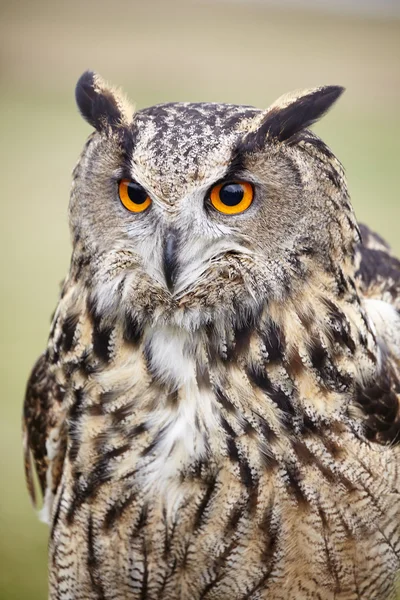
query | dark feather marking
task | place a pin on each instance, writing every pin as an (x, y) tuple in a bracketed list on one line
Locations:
[(270, 531), (68, 331), (267, 432), (294, 363), (244, 467), (137, 430), (333, 379), (253, 497), (278, 396), (75, 413), (133, 331), (93, 564), (129, 474), (242, 333), (81, 492), (330, 563), (194, 472), (148, 357), (57, 513), (227, 427), (318, 355), (307, 137), (142, 521), (308, 458), (95, 410), (127, 138), (339, 325), (260, 583), (309, 426), (248, 429), (307, 140), (213, 345), (81, 263), (91, 308), (341, 282), (149, 449), (107, 397), (100, 474), (101, 340), (274, 342), (294, 481), (210, 585), (224, 400), (54, 323), (122, 412), (102, 467), (71, 367), (115, 452), (234, 517), (245, 473), (168, 537), (374, 500), (167, 577), (101, 333), (221, 559), (187, 552), (74, 505), (86, 366), (204, 504), (236, 166), (232, 450), (143, 589), (219, 566), (268, 460), (117, 510), (55, 352)]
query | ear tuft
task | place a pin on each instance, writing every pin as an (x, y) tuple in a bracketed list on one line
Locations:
[(100, 104), (293, 112)]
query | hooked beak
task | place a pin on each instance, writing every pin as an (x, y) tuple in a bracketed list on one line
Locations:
[(170, 258)]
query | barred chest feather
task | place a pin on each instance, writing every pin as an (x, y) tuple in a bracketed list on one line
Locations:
[(230, 462)]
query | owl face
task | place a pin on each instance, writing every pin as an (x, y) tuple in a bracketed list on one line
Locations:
[(188, 211)]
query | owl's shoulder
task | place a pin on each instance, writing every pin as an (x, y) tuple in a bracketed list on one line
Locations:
[(378, 279), (43, 431), (378, 270)]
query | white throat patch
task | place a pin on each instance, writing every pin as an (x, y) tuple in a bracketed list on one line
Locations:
[(185, 425)]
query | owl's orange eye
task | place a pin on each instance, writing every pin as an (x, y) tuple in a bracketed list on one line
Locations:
[(233, 197), (133, 196)]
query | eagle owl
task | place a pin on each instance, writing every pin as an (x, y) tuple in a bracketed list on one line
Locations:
[(216, 415)]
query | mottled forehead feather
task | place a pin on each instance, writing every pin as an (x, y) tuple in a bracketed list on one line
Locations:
[(179, 144), (219, 116)]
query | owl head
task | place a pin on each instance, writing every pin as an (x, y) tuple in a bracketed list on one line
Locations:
[(189, 213)]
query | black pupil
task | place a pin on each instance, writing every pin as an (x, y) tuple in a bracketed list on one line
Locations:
[(136, 193), (231, 194)]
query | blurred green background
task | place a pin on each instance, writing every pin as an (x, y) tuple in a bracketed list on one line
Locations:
[(239, 52)]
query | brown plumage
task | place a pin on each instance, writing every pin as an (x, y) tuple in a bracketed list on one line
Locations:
[(216, 415)]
